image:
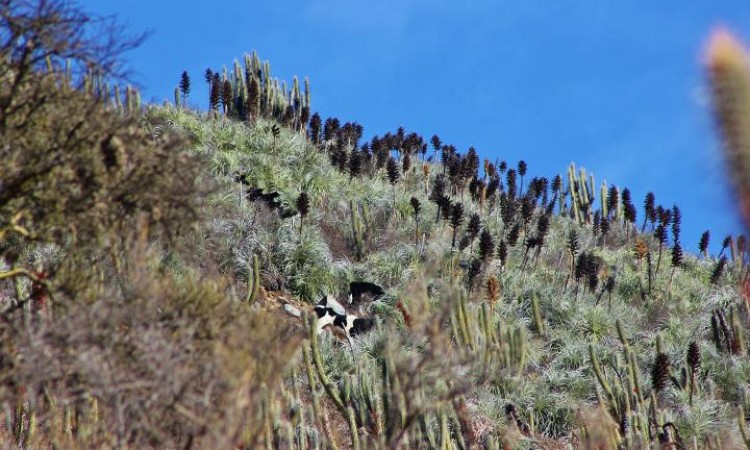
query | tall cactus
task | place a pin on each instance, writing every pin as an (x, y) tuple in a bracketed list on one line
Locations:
[(729, 75), (573, 188), (353, 428), (253, 281), (538, 321), (581, 189), (357, 233), (603, 199), (333, 394)]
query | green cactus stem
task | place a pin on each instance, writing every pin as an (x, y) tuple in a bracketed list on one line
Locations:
[(253, 281), (743, 426), (356, 230), (353, 428), (599, 375), (322, 376), (538, 322)]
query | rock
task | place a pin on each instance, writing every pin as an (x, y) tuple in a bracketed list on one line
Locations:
[(292, 310)]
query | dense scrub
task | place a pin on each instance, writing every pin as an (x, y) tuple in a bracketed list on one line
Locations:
[(530, 344), (147, 252)]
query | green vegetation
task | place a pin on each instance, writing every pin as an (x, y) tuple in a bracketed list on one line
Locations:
[(148, 251)]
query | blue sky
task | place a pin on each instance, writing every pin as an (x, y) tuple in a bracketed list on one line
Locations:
[(616, 87)]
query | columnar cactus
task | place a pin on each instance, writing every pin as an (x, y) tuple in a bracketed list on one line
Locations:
[(729, 74)]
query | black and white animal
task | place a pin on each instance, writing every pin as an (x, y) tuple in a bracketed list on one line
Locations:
[(361, 292), (327, 310), (342, 324), (331, 312), (354, 325)]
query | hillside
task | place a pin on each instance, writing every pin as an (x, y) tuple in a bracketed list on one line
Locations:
[(526, 342), (148, 253)]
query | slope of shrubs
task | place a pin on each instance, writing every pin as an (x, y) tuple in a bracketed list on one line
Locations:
[(147, 252), (587, 301)]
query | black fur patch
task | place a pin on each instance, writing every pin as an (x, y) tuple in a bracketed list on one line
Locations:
[(271, 199), (364, 291), (341, 322), (321, 307), (361, 326), (350, 324)]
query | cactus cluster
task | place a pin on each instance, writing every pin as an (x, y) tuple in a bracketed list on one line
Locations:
[(248, 92)]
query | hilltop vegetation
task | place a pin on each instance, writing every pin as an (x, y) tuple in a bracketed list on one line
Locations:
[(148, 251)]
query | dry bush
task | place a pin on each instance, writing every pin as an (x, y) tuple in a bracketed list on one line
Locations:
[(79, 172), (166, 364), (338, 241), (598, 430), (76, 173), (443, 369), (124, 354)]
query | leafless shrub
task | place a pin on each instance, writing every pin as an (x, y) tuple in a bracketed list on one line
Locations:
[(75, 172), (166, 364)]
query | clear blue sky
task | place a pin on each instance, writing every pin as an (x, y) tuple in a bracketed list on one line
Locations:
[(616, 87)]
